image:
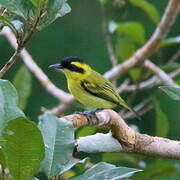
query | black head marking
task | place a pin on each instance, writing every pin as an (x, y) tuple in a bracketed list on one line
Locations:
[(66, 64), (72, 59)]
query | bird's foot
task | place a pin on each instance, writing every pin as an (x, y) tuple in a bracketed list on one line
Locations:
[(93, 112)]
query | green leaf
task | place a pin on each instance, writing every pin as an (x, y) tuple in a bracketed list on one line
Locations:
[(125, 48), (23, 147), (8, 23), (23, 83), (102, 171), (172, 92), (133, 30), (38, 3), (8, 107), (148, 8), (103, 2), (54, 10), (59, 144), (22, 8), (170, 41), (162, 123)]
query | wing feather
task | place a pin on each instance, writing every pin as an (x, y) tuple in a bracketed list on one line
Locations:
[(101, 88), (98, 86)]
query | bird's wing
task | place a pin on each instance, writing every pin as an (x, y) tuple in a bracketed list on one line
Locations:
[(98, 86), (101, 88)]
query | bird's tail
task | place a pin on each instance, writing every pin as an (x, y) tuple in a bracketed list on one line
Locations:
[(122, 103)]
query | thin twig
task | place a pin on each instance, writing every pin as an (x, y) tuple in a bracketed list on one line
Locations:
[(140, 108), (57, 110), (32, 30), (107, 39), (123, 86), (153, 81), (174, 57), (9, 63), (165, 78)]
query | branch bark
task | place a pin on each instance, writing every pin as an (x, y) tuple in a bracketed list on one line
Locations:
[(130, 140), (152, 44)]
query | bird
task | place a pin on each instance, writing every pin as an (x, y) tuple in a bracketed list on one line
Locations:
[(89, 87)]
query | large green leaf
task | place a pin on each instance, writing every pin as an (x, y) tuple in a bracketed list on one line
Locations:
[(162, 123), (148, 8), (54, 10), (23, 84), (172, 92), (8, 106), (125, 48), (23, 148), (59, 144), (134, 30), (102, 171), (23, 8)]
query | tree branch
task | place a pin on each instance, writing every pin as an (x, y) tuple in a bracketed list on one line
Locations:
[(152, 44), (130, 140)]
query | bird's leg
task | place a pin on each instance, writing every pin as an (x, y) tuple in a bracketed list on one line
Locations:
[(89, 112)]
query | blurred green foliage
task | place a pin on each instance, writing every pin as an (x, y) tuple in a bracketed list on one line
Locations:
[(23, 83), (80, 33)]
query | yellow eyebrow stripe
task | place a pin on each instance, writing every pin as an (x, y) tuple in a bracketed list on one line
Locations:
[(76, 64)]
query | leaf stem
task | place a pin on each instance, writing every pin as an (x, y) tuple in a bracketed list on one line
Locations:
[(11, 61), (21, 45)]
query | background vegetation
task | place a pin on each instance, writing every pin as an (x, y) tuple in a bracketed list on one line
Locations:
[(80, 33)]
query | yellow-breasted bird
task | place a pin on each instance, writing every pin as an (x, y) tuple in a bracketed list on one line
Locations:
[(88, 86)]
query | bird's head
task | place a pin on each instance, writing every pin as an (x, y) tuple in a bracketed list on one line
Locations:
[(73, 67)]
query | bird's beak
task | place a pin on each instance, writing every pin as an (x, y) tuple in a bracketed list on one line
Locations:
[(56, 66)]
